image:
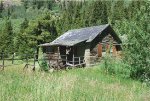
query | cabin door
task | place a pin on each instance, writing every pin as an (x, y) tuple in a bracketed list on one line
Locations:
[(99, 50)]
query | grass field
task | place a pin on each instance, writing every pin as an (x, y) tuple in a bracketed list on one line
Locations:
[(85, 84)]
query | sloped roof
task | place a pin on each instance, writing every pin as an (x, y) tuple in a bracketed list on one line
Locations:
[(76, 36)]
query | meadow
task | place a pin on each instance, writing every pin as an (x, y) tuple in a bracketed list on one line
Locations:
[(80, 84)]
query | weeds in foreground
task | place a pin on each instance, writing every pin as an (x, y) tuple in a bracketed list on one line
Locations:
[(90, 84)]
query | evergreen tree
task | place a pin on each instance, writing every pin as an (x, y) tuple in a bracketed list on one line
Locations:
[(40, 4), (24, 25), (97, 12), (22, 43), (36, 32), (104, 16), (25, 3), (1, 8), (6, 42)]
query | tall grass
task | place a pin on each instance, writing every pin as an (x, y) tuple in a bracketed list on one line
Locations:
[(90, 84)]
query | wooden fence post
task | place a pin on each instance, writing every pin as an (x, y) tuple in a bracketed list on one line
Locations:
[(27, 60), (26, 66), (3, 61), (13, 58), (73, 58), (34, 61)]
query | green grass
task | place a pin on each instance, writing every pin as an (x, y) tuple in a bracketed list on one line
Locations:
[(86, 84)]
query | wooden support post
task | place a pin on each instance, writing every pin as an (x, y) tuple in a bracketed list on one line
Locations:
[(79, 60), (66, 56), (49, 57), (59, 57), (66, 59), (73, 57), (26, 66)]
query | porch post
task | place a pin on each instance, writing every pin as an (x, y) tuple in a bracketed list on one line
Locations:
[(87, 55), (73, 55)]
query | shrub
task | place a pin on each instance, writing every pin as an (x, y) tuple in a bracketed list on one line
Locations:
[(116, 66), (44, 66), (137, 53), (137, 46)]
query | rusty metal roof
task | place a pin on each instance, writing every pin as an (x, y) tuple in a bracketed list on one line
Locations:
[(76, 36)]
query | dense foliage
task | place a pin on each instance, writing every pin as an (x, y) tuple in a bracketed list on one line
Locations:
[(42, 21), (137, 53)]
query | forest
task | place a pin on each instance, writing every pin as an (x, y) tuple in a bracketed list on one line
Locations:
[(25, 24)]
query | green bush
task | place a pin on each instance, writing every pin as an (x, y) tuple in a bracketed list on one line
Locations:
[(116, 66), (44, 66), (136, 48)]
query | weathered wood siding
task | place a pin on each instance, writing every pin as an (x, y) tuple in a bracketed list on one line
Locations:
[(62, 50)]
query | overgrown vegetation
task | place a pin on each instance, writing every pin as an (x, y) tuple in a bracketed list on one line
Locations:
[(44, 66), (115, 67), (77, 84)]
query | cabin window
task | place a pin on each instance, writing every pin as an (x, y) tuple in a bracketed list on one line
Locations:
[(50, 49)]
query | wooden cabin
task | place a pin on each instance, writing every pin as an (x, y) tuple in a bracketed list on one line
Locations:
[(83, 46)]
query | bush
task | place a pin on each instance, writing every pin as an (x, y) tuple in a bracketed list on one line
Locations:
[(44, 66), (116, 66), (137, 45)]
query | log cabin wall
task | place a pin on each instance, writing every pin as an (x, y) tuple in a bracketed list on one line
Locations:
[(62, 50), (107, 47)]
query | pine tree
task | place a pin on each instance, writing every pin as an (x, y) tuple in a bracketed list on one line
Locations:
[(40, 4), (36, 32), (1, 8), (25, 3), (6, 42), (97, 12), (24, 25), (49, 4), (22, 43)]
